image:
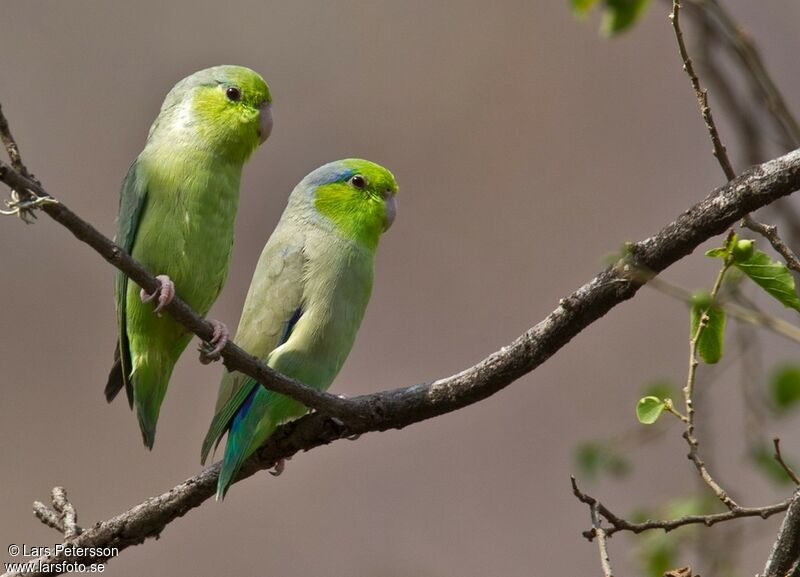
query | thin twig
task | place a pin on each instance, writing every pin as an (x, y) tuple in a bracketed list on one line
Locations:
[(770, 232), (750, 135), (741, 43), (61, 517), (720, 152), (602, 541), (779, 457), (619, 524), (719, 27), (688, 396), (738, 41), (11, 146), (47, 516)]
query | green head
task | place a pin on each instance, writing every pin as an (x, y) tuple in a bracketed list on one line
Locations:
[(226, 110), (357, 196)]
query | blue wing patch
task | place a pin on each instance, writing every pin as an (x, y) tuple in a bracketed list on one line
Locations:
[(290, 324)]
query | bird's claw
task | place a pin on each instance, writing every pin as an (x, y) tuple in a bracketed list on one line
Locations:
[(279, 467), (165, 293), (24, 208), (210, 351), (340, 423)]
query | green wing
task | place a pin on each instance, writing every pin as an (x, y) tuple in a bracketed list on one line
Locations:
[(131, 206), (270, 310), (224, 416)]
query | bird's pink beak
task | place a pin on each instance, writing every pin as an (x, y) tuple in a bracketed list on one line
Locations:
[(265, 121), (391, 212)]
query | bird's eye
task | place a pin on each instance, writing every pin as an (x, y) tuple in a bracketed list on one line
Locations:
[(233, 94), (359, 181)]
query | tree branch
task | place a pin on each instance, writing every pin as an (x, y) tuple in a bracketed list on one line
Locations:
[(234, 357), (785, 556), (770, 232), (398, 408)]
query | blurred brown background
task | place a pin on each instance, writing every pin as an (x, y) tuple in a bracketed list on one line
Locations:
[(526, 148)]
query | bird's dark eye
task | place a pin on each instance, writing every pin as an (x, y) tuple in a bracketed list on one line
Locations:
[(233, 94), (359, 181)]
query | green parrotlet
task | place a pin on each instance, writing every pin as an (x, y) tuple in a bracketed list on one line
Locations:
[(176, 217), (306, 300)]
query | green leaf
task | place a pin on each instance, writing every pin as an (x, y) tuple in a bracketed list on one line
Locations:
[(773, 277), (581, 8), (619, 15), (727, 249), (594, 459), (649, 409), (764, 459), (710, 344), (785, 386), (719, 252)]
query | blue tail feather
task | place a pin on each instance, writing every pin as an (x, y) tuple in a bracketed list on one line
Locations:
[(239, 438)]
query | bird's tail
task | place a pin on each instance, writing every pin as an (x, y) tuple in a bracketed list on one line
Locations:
[(241, 436), (249, 417), (149, 382)]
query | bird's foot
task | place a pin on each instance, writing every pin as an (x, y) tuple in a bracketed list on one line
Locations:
[(165, 293), (210, 351), (279, 467)]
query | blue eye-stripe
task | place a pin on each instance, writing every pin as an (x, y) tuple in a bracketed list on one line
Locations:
[(330, 174)]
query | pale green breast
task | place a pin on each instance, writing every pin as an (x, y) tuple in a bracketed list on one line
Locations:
[(305, 264), (337, 287), (186, 228)]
